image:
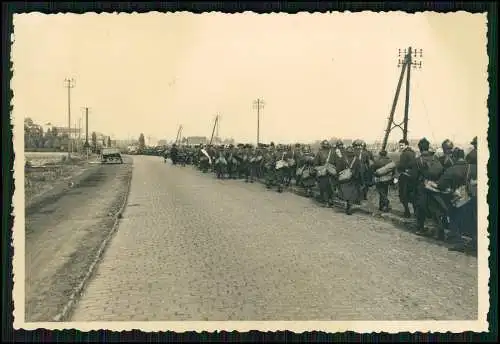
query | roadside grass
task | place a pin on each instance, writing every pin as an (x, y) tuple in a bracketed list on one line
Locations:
[(42, 173)]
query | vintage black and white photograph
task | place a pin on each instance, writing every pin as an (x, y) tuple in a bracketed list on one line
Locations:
[(206, 171)]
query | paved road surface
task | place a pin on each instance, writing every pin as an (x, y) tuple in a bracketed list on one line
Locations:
[(191, 247)]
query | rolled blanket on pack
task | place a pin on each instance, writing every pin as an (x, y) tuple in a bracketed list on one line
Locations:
[(382, 179), (472, 188), (306, 173), (327, 169), (384, 170), (320, 171), (331, 170), (281, 164), (291, 162), (431, 186)]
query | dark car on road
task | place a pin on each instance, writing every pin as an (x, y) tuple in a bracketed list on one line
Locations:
[(111, 155)]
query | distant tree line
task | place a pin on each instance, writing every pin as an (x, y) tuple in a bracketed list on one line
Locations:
[(35, 138)]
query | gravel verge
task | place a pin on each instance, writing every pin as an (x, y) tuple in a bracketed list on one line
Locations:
[(64, 235)]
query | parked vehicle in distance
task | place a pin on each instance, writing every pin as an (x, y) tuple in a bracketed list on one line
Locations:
[(111, 155)]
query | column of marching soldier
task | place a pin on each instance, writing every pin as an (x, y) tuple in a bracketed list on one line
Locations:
[(441, 188)]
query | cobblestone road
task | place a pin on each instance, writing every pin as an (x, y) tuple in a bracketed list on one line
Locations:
[(191, 247)]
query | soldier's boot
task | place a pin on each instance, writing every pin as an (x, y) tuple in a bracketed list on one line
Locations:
[(381, 203), (280, 187), (407, 213), (365, 193), (323, 199), (385, 206), (308, 192), (440, 234), (421, 230), (269, 182), (348, 208)]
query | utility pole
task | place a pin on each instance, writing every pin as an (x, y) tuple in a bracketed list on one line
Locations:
[(69, 84), (86, 145), (79, 133), (217, 128), (408, 62), (259, 105), (179, 133), (213, 129), (75, 146)]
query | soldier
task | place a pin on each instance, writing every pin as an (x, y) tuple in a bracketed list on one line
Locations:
[(247, 158), (245, 167), (366, 160), (427, 168), (281, 166), (307, 174), (406, 180), (220, 164), (350, 188), (204, 159), (241, 156), (291, 159), (299, 153), (325, 184), (369, 158), (269, 165), (174, 153), (447, 159), (232, 162), (213, 152), (382, 182), (165, 155), (338, 158), (258, 163), (463, 217), (471, 158)]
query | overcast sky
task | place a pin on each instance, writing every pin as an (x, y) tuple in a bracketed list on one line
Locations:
[(320, 75)]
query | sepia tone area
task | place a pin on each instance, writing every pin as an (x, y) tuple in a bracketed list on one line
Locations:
[(182, 167)]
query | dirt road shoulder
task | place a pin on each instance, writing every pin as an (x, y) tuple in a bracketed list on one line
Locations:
[(64, 236)]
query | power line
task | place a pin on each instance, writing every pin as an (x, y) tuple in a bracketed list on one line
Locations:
[(425, 110)]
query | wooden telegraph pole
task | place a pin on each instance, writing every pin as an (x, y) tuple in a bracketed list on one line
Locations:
[(258, 104), (69, 84), (406, 64), (86, 145), (178, 137), (213, 129)]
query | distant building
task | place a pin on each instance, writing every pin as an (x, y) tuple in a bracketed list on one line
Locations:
[(196, 140), (63, 131)]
